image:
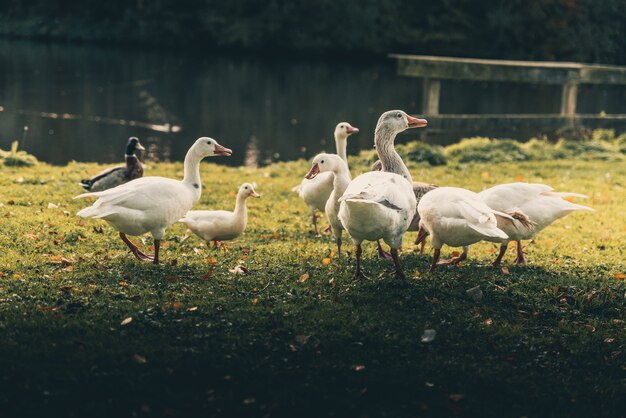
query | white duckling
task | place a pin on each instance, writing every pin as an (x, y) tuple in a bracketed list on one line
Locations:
[(151, 204), (458, 218), (315, 192), (330, 163), (221, 225), (380, 205), (533, 206)]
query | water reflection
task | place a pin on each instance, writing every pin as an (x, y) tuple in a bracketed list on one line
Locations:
[(83, 102)]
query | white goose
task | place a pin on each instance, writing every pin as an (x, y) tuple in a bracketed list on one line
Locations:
[(325, 163), (380, 205), (315, 192), (536, 204), (221, 225), (151, 204), (457, 217)]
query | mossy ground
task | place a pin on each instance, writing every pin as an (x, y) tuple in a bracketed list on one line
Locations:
[(547, 339)]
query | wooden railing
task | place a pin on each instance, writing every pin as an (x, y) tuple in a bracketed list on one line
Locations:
[(569, 75)]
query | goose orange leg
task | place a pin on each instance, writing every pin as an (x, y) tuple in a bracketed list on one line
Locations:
[(358, 272), (436, 256), (498, 261), (382, 254), (396, 261), (157, 245), (134, 249), (520, 254)]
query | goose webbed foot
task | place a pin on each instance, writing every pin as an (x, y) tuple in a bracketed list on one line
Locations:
[(135, 250), (382, 254), (454, 260)]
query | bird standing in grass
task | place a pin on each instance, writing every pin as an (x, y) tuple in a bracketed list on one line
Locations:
[(113, 177), (151, 204), (221, 225)]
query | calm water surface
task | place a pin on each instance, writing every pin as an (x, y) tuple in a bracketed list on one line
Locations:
[(82, 102)]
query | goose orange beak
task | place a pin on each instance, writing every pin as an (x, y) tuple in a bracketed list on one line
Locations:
[(415, 122), (220, 150), (314, 171)]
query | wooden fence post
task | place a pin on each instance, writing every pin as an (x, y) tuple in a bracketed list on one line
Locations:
[(568, 99), (430, 98)]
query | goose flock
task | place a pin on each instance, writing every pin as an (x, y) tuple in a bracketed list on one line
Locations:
[(378, 205)]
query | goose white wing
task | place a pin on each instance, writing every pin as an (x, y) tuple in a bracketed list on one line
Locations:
[(388, 189), (142, 194)]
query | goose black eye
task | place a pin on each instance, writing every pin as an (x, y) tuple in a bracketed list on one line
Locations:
[(398, 115), (246, 187), (209, 142), (341, 126), (322, 161)]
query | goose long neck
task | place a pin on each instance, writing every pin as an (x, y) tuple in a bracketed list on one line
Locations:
[(341, 181), (192, 173), (241, 210), (385, 148), (341, 145)]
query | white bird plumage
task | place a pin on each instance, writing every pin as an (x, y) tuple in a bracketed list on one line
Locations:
[(221, 225), (338, 168), (316, 191), (458, 218), (537, 204), (151, 204), (380, 205)]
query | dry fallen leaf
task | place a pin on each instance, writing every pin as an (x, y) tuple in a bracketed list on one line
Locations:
[(192, 309), (255, 301), (303, 278), (52, 206), (358, 367), (238, 270), (123, 284), (127, 321), (619, 275), (505, 271), (326, 261), (208, 274)]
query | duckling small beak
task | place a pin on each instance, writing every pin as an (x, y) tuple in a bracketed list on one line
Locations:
[(139, 147), (314, 171), (254, 194), (415, 122), (352, 130), (220, 150)]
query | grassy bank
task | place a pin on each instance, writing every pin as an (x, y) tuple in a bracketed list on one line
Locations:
[(295, 335)]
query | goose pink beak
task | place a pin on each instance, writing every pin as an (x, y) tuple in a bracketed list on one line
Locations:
[(415, 122), (352, 130), (220, 150), (314, 171), (254, 194)]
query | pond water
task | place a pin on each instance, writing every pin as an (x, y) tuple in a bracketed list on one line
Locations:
[(82, 102)]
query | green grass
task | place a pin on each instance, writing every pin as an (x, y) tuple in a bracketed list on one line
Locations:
[(547, 339)]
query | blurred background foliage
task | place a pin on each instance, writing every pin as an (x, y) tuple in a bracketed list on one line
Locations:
[(563, 30)]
